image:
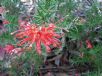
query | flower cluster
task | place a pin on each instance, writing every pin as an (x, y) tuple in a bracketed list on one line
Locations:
[(40, 35)]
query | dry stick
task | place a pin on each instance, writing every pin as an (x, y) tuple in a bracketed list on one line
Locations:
[(55, 68), (31, 70), (59, 56)]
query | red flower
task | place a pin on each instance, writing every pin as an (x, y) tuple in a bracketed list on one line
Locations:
[(40, 36), (89, 45), (8, 48), (6, 22)]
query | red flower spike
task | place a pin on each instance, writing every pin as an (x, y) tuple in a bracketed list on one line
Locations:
[(89, 45), (8, 48), (31, 34), (20, 35), (6, 22), (23, 41)]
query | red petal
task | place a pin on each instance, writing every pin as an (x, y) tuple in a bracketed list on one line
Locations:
[(6, 22), (9, 48), (38, 46), (56, 35), (23, 41), (89, 45), (48, 49)]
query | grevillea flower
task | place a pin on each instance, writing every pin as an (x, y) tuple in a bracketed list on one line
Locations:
[(89, 45), (5, 22), (8, 48), (40, 35)]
